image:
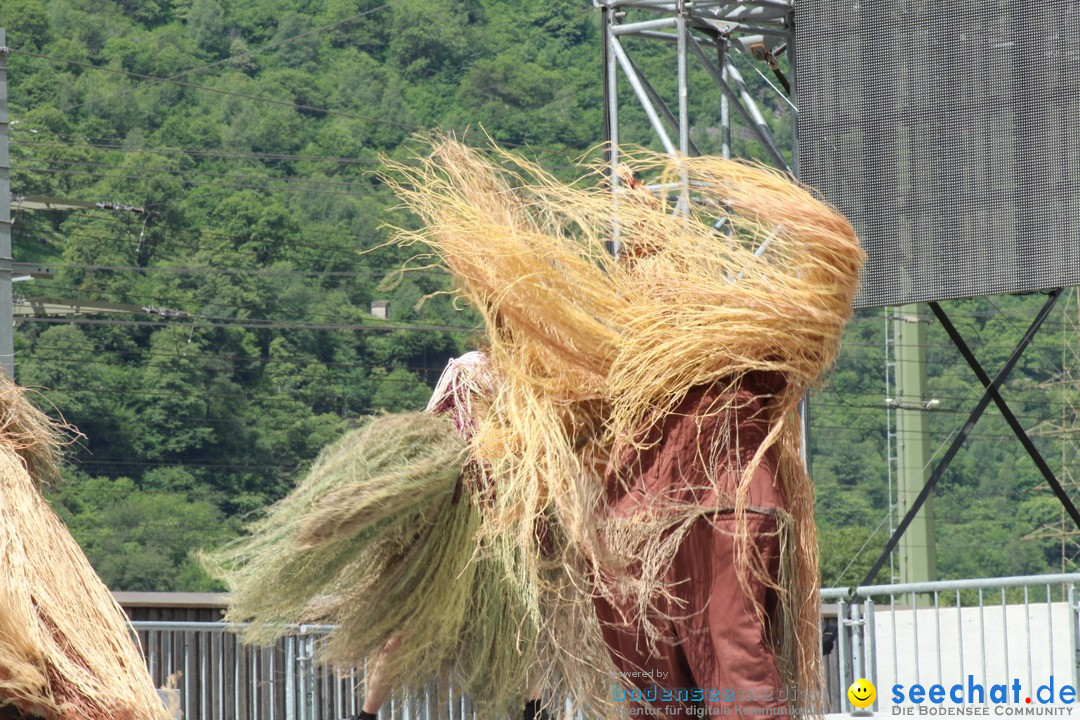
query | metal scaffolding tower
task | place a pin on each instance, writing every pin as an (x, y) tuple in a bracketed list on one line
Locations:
[(711, 36), (718, 38)]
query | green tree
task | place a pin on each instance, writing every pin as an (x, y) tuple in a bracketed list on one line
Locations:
[(26, 22), (206, 27), (139, 540)]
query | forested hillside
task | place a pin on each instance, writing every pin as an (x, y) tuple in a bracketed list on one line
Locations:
[(240, 237)]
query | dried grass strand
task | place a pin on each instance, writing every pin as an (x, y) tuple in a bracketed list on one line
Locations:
[(65, 647), (380, 540)]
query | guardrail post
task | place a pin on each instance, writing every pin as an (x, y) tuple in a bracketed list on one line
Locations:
[(1074, 634), (307, 699), (841, 643), (858, 668), (291, 666), (870, 646)]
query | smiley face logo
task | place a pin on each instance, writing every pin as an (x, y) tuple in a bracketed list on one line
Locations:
[(862, 693)]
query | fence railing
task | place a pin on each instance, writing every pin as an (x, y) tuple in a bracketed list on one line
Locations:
[(930, 633), (214, 676), (983, 632)]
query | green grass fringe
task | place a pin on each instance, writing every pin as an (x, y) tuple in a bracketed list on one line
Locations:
[(379, 541)]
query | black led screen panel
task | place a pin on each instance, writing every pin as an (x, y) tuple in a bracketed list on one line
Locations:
[(948, 131)]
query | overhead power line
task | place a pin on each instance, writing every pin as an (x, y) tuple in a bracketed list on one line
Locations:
[(246, 364), (215, 270), (145, 391), (253, 360), (84, 143), (98, 290), (259, 272), (197, 324), (166, 150), (166, 307), (180, 178), (350, 252), (177, 239), (183, 173)]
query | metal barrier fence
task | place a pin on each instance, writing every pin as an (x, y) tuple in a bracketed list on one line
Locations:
[(980, 632), (211, 675), (216, 677), (929, 633)]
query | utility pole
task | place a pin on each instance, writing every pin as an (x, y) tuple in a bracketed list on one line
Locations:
[(7, 309), (918, 557)]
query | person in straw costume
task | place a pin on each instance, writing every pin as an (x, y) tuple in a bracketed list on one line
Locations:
[(65, 649), (647, 414), (638, 501)]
